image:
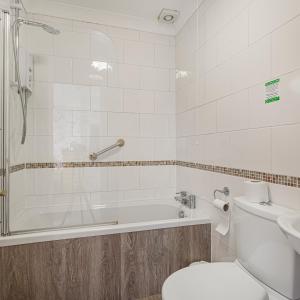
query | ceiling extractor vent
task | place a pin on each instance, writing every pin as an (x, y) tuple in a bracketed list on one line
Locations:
[(168, 16)]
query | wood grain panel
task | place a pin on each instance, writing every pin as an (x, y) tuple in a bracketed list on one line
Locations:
[(148, 258), (127, 266)]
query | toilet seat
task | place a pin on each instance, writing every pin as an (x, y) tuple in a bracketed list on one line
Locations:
[(216, 281)]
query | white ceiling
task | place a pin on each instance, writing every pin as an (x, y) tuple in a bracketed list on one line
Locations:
[(147, 10)]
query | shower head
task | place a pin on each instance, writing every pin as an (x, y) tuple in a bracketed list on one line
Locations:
[(15, 43), (50, 29), (45, 27)]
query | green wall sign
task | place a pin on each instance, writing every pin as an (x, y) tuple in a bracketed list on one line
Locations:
[(272, 91)]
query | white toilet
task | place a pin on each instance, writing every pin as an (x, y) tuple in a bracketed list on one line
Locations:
[(267, 267)]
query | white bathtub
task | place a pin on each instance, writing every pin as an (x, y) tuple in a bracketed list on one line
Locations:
[(57, 224)]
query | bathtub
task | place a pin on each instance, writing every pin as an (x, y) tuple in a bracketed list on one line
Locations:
[(49, 224)]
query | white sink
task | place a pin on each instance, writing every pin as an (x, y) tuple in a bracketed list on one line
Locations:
[(290, 225)]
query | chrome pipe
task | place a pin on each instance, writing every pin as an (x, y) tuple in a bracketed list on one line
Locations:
[(5, 160), (95, 155)]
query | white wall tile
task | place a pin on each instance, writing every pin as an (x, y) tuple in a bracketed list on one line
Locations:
[(156, 38), (252, 66), (164, 56), (154, 125), (165, 102), (201, 30), (39, 42), (285, 150), (139, 53), (53, 69), (124, 76), (87, 72), (165, 149), (123, 178), (87, 123), (233, 38), (172, 125), (105, 48), (90, 179), (267, 15), (123, 124), (233, 112), (106, 99), (188, 34), (155, 79), (72, 44), (218, 82), (138, 149), (285, 196), (61, 181), (154, 177), (285, 48), (138, 101), (206, 119), (220, 13), (208, 53), (185, 123), (52, 122), (73, 97), (40, 148), (100, 198), (42, 95), (251, 149), (87, 27), (126, 34), (172, 80)]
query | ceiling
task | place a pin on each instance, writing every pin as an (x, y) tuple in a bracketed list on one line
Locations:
[(148, 9), (137, 14)]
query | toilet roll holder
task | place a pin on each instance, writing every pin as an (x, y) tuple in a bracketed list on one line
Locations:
[(225, 191)]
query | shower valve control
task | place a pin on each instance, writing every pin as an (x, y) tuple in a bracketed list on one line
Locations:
[(26, 70), (186, 199)]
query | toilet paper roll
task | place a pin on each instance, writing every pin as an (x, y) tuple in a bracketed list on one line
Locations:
[(256, 191), (221, 204)]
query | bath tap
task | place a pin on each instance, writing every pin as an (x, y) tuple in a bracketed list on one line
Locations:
[(186, 199)]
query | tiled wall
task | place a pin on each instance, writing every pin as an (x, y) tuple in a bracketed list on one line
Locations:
[(225, 54), (94, 84)]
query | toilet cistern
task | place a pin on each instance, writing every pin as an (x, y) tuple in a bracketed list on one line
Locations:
[(290, 225)]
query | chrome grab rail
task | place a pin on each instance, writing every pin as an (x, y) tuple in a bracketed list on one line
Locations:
[(95, 155)]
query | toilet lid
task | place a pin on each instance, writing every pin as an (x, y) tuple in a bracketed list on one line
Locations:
[(216, 281)]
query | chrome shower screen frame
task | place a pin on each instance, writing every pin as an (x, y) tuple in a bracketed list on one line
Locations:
[(4, 121)]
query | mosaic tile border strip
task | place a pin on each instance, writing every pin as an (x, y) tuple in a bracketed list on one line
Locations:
[(101, 164), (291, 181)]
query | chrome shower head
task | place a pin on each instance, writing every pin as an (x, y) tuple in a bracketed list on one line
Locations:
[(50, 29), (45, 27)]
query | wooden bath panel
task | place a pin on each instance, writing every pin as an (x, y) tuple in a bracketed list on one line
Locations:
[(126, 266)]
